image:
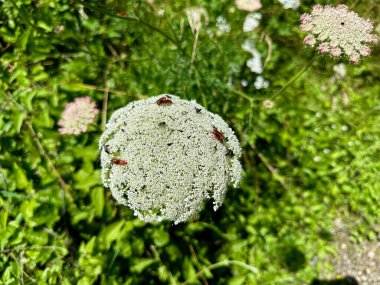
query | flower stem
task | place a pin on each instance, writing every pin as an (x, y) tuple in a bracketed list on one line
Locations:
[(194, 47), (241, 94), (224, 263), (295, 77), (105, 102)]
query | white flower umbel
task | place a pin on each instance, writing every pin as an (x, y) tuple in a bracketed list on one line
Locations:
[(164, 156), (290, 4), (338, 31)]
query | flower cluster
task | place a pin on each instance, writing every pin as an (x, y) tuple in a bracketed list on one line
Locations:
[(222, 25), (261, 83), (340, 70), (290, 4), (194, 16), (338, 31), (164, 156), (254, 63), (77, 116), (251, 22), (268, 104), (248, 5)]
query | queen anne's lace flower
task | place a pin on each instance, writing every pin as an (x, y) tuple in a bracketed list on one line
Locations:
[(164, 156), (290, 4), (338, 31), (248, 5), (77, 116)]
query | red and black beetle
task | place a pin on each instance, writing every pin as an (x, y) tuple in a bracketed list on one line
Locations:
[(164, 101), (119, 161), (218, 135)]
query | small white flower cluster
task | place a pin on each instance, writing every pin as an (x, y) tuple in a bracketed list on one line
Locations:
[(251, 22), (222, 25), (164, 156), (340, 70), (268, 104), (254, 63), (290, 4), (261, 83)]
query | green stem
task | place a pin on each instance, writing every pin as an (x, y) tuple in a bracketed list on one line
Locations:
[(105, 11), (240, 93), (198, 74), (105, 104), (162, 33), (216, 230), (136, 19), (224, 263), (295, 77)]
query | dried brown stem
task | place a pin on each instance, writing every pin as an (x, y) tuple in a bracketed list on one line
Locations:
[(42, 151)]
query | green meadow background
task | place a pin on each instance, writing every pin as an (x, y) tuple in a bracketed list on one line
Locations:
[(313, 158)]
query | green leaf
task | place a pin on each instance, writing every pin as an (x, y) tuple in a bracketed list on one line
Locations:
[(18, 121), (142, 264), (21, 179), (24, 38), (27, 209), (161, 237), (188, 268), (110, 233), (3, 220), (98, 200)]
